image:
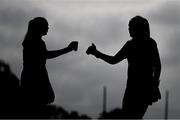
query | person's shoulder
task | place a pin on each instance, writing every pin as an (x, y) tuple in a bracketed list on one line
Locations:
[(153, 42)]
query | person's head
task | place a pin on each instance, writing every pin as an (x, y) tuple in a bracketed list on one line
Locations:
[(38, 26), (139, 27)]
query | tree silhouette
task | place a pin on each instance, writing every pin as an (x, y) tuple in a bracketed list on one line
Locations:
[(9, 92)]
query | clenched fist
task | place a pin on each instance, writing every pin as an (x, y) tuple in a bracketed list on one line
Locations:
[(73, 45), (91, 49)]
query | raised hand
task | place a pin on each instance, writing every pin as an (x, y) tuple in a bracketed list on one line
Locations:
[(91, 49), (73, 45)]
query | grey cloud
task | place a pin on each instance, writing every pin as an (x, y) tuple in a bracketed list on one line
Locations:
[(103, 29), (13, 18), (167, 14), (16, 13), (173, 57)]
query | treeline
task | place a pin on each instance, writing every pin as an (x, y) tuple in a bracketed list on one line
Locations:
[(11, 102)]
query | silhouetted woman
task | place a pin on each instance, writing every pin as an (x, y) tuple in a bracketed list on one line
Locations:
[(144, 68), (36, 88)]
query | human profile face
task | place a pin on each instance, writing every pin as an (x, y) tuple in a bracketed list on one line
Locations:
[(131, 31), (139, 27), (45, 29), (38, 26)]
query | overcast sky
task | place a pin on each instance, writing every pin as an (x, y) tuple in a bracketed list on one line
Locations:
[(78, 79)]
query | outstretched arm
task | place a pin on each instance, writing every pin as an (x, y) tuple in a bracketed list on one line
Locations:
[(109, 59), (72, 46)]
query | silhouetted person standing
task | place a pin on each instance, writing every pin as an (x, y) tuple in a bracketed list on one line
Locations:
[(144, 68), (35, 85)]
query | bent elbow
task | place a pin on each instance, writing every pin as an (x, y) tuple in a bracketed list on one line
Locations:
[(113, 62)]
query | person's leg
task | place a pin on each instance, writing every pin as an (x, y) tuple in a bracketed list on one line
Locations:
[(133, 110), (141, 111)]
